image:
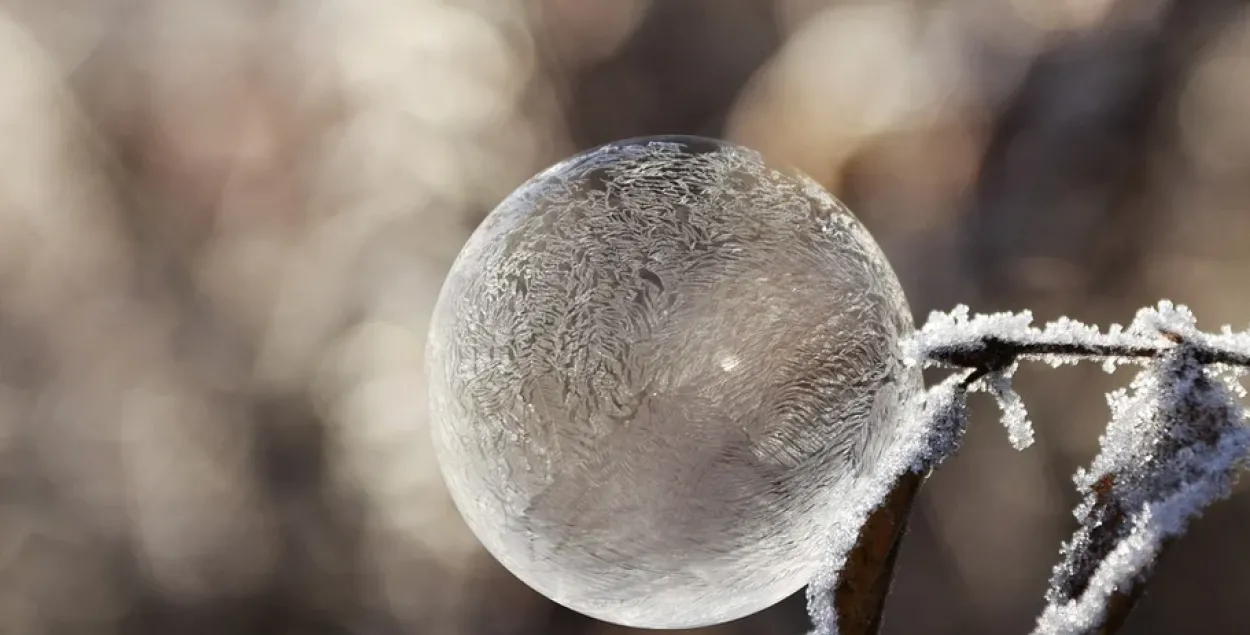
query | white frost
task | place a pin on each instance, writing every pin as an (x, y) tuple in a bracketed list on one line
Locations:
[(958, 331), (1173, 447), (1176, 440), (925, 440), (1015, 417)]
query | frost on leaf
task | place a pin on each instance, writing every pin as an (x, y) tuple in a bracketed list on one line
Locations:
[(1175, 441), (946, 418), (926, 438)]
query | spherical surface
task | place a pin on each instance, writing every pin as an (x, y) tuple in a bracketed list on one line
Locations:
[(655, 369)]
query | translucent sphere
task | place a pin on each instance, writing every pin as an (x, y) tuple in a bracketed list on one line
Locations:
[(655, 371)]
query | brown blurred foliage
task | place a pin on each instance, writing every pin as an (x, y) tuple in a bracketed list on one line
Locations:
[(222, 226)]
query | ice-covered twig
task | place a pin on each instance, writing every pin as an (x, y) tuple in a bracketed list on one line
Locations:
[(994, 342), (1015, 417), (1174, 445), (992, 345)]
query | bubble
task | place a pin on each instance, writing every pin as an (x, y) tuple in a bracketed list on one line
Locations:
[(655, 370)]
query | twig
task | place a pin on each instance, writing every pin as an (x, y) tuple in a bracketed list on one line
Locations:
[(1192, 416), (992, 353)]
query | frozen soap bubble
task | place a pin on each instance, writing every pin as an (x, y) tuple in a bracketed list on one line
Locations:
[(655, 371)]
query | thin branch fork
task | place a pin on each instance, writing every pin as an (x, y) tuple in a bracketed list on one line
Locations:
[(1142, 489), (1109, 519)]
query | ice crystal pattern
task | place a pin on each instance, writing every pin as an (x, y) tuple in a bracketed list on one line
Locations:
[(657, 371)]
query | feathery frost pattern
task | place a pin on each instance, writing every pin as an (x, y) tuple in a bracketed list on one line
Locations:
[(656, 371)]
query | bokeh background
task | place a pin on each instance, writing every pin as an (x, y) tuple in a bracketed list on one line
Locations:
[(223, 225)]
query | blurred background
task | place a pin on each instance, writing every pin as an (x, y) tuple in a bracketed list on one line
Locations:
[(223, 225)]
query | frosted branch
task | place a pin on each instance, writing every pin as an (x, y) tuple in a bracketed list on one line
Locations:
[(995, 342), (1175, 443)]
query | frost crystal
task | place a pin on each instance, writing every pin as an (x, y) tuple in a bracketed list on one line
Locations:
[(1015, 417)]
